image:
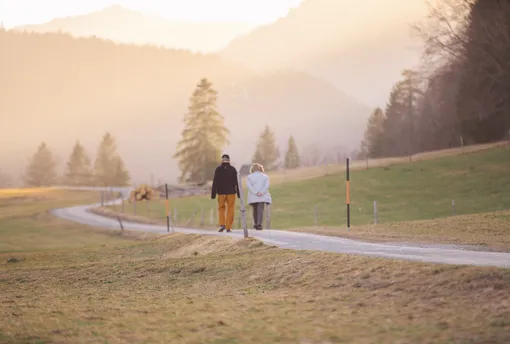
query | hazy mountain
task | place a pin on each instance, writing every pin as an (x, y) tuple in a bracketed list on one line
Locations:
[(127, 26), (359, 46), (59, 89)]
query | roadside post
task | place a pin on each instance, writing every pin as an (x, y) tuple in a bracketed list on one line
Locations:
[(348, 194), (167, 209)]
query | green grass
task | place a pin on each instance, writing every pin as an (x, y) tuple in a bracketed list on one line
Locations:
[(26, 225), (478, 182)]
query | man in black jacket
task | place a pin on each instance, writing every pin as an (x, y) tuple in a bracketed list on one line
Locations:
[(226, 187)]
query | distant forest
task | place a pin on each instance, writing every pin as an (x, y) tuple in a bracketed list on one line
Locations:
[(461, 95)]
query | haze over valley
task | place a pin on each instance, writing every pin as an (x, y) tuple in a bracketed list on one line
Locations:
[(315, 74)]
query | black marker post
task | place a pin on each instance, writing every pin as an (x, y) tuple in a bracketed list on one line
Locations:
[(348, 194)]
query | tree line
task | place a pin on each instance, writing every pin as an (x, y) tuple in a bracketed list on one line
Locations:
[(461, 95), (205, 135), (108, 168), (198, 152)]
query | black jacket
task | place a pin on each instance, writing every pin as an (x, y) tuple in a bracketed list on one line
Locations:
[(225, 181)]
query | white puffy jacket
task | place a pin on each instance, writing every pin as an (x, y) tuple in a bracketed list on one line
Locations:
[(258, 182)]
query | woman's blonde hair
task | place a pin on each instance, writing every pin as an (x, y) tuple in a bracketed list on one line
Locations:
[(256, 167)]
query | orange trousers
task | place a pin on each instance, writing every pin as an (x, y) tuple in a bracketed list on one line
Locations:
[(226, 204)]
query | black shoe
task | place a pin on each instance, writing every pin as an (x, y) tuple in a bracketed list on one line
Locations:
[(259, 228), (221, 229), (229, 231)]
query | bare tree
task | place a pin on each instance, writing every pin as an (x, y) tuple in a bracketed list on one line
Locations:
[(473, 37)]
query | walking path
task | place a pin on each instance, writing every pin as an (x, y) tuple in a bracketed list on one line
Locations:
[(305, 241)]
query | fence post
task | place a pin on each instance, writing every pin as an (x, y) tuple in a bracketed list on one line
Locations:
[(348, 193), (453, 207), (190, 221), (268, 216), (241, 203), (375, 212), (167, 209), (316, 215)]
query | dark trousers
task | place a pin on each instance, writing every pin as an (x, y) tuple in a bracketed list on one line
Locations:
[(258, 214)]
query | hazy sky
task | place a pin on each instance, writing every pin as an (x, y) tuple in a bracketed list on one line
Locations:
[(22, 12)]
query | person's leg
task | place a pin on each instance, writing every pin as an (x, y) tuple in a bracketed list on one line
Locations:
[(260, 214), (255, 208), (231, 208), (221, 212)]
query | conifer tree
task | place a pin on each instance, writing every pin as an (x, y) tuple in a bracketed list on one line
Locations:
[(292, 159), (109, 168), (78, 169), (372, 141), (42, 168), (267, 153), (203, 137)]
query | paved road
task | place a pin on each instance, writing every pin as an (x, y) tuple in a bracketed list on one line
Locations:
[(304, 241)]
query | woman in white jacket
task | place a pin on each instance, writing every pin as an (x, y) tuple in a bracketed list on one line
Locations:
[(258, 193)]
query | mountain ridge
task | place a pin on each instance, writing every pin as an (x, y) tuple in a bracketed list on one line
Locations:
[(125, 25), (140, 94), (332, 40)]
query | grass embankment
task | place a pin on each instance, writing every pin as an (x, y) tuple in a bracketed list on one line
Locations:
[(478, 182), (191, 289), (26, 225), (74, 284)]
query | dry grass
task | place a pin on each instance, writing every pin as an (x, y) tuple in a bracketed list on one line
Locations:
[(488, 230), (25, 224), (191, 289)]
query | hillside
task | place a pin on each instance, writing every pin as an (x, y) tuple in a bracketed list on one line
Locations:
[(63, 282), (123, 25), (360, 46), (414, 201), (59, 89)]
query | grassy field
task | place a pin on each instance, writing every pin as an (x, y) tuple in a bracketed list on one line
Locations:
[(278, 177), (74, 284), (478, 182), (25, 224), (192, 289)]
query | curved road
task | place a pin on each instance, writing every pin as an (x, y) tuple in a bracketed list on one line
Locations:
[(303, 241)]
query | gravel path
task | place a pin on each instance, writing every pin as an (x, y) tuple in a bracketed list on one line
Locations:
[(303, 241)]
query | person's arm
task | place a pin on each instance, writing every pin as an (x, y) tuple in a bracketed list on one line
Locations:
[(213, 188), (265, 187), (236, 183), (251, 188)]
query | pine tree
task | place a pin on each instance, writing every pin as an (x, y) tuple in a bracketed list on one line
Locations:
[(203, 137), (400, 120), (292, 159), (109, 168), (42, 169), (267, 153), (79, 171), (121, 176), (372, 141)]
